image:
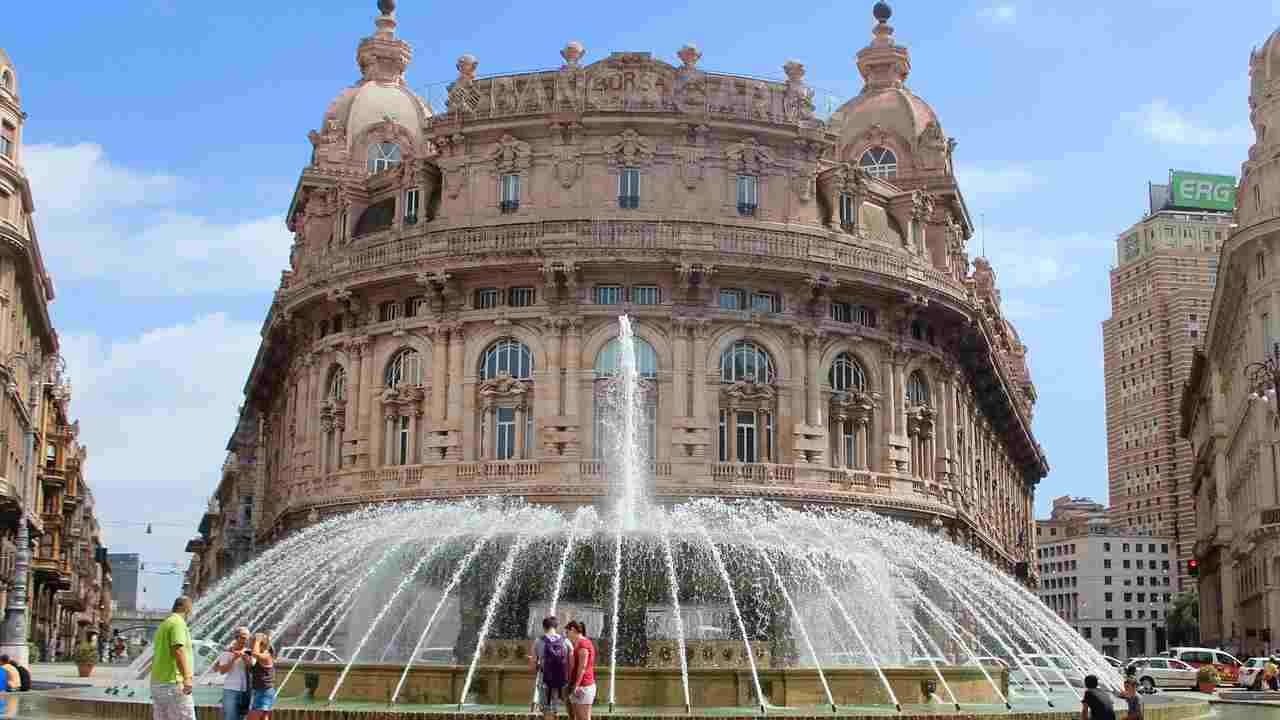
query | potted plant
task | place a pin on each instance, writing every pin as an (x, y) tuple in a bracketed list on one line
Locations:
[(1206, 678), (86, 658)]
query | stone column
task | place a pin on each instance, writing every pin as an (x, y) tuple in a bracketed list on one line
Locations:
[(814, 397), (357, 420), (382, 441), (679, 368), (900, 392), (414, 427), (701, 329), (439, 376), (457, 338), (550, 395), (731, 434), (317, 396), (520, 428), (572, 375), (799, 413)]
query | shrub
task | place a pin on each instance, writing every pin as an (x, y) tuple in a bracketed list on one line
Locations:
[(1207, 674)]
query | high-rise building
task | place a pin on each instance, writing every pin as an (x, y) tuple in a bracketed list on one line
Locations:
[(126, 580), (1112, 584), (1161, 287)]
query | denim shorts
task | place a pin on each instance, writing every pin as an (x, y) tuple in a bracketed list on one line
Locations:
[(263, 700)]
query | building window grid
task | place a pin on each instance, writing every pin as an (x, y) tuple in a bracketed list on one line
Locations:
[(521, 296), (629, 188), (748, 194), (510, 193)]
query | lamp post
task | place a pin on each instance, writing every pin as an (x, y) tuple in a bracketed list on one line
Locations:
[(40, 371), (1264, 376)]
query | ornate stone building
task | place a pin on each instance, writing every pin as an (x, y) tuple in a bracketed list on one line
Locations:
[(811, 329), (1230, 420), (41, 473)]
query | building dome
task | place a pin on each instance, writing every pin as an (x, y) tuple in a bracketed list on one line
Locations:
[(370, 102), (895, 109), (382, 93)]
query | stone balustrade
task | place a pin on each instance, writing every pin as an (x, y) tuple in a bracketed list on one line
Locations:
[(845, 251)]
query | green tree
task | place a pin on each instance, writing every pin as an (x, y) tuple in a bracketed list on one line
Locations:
[(1184, 619)]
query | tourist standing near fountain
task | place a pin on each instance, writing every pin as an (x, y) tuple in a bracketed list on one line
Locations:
[(172, 666), (582, 691), (262, 677), (1095, 704), (551, 659), (234, 663)]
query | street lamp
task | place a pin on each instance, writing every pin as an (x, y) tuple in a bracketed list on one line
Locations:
[(1264, 377), (41, 371)]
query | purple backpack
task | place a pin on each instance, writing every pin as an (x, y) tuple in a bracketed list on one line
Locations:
[(555, 662)]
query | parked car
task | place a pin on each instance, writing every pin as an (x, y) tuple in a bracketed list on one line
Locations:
[(1157, 672), (1227, 666), (1113, 662), (1048, 670), (1249, 671), (310, 654)]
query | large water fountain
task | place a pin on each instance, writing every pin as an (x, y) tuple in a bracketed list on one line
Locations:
[(704, 605)]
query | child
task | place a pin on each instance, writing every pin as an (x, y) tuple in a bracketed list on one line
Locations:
[(1130, 696)]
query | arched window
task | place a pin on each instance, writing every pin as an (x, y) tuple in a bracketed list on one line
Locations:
[(608, 363), (846, 374), (746, 360), (879, 161), (6, 80), (917, 389), (337, 385), (506, 420), (405, 369), (383, 156), (507, 357)]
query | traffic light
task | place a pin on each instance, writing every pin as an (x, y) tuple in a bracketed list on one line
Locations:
[(1193, 567)]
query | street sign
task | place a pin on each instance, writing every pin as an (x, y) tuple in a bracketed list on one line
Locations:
[(1206, 192)]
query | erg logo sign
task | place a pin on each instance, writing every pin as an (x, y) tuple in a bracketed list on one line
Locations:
[(1209, 192), (1205, 190)]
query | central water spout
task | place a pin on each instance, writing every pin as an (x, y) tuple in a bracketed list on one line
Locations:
[(628, 421)]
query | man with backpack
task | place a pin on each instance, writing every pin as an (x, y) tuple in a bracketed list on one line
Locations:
[(551, 658)]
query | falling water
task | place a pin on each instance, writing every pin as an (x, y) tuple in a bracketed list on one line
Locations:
[(626, 395), (674, 583), (499, 587)]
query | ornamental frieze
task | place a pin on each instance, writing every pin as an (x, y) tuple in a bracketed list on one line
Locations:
[(503, 388), (511, 155), (749, 156), (629, 149)]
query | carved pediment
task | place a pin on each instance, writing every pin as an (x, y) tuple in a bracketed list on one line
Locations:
[(749, 156), (856, 405), (511, 155), (746, 391), (503, 387), (629, 149), (920, 420), (403, 395)]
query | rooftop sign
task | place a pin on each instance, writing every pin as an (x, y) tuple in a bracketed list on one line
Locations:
[(1205, 192)]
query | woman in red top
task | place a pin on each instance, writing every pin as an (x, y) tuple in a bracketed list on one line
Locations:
[(582, 678)]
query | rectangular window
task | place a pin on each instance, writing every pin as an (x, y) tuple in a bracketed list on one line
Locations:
[(411, 206), (1106, 564), (510, 193), (415, 306), (646, 295), (866, 316), (848, 213), (389, 311), (731, 300), (766, 302), (629, 188), (521, 297), (1106, 547), (1107, 597), (8, 139), (1164, 547), (841, 312), (608, 294), (1110, 614), (745, 437), (1106, 580), (505, 434), (486, 298), (748, 194)]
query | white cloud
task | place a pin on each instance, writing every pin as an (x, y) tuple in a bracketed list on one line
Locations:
[(98, 220), (998, 14), (1162, 124), (155, 411)]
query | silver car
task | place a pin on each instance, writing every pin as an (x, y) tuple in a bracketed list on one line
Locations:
[(1162, 672)]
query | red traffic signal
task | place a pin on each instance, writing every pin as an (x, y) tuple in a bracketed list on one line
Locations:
[(1193, 567)]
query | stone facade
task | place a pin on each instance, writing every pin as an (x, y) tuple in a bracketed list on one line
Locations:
[(1161, 286), (812, 329), (1232, 431), (41, 463)]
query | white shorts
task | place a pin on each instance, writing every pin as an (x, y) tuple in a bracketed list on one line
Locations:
[(586, 695)]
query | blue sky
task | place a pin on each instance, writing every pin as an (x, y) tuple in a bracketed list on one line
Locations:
[(165, 137)]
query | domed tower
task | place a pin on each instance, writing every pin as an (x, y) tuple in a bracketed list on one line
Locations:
[(367, 171), (1260, 174)]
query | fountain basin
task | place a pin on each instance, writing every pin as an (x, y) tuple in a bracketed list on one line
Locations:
[(654, 688)]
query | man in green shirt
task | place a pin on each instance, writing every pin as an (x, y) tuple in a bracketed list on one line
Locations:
[(172, 666)]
